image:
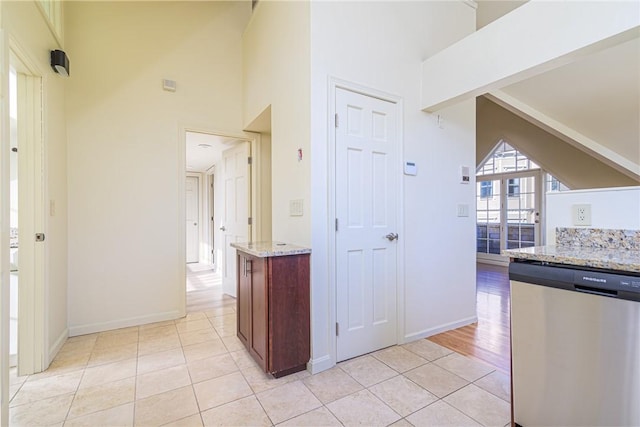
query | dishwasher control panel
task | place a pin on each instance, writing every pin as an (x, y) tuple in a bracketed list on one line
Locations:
[(607, 283)]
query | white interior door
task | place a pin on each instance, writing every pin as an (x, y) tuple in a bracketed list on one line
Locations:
[(192, 222), (235, 222), (366, 239)]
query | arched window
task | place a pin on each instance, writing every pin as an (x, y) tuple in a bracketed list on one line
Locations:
[(510, 187)]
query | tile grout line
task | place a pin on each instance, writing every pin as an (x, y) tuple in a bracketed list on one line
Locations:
[(75, 393), (193, 389), (135, 382)]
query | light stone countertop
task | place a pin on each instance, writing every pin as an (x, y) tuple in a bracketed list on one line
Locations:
[(612, 259), (270, 249)]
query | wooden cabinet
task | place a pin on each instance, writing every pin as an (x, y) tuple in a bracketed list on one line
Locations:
[(273, 311)]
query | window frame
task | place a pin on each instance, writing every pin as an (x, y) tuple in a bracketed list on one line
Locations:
[(484, 194)]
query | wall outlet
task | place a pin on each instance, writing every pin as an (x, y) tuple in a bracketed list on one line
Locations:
[(296, 207), (581, 214)]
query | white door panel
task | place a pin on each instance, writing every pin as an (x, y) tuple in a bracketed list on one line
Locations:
[(366, 201), (192, 222), (235, 221)]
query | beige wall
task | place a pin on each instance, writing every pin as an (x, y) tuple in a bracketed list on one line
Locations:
[(124, 176), (265, 187), (490, 10), (24, 25), (570, 165), (276, 52)]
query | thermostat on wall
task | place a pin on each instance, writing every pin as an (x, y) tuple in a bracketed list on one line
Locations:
[(465, 176), (410, 168)]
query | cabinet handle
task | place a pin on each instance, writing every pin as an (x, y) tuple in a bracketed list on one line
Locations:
[(247, 268)]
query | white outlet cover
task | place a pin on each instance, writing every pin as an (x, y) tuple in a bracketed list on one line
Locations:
[(296, 207), (581, 214)]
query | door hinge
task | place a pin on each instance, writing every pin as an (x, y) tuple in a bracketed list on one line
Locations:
[(249, 160), (40, 237), (336, 224), (250, 221), (337, 329), (337, 120)]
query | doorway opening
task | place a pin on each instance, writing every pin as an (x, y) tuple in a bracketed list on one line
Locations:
[(218, 206), (27, 350), (510, 190)]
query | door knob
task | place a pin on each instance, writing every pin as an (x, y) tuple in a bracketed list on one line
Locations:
[(195, 223), (392, 236), (223, 228)]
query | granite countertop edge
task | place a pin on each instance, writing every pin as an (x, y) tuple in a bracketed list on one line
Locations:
[(270, 249), (613, 259)]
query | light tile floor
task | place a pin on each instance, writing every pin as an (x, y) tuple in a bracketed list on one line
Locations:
[(194, 372)]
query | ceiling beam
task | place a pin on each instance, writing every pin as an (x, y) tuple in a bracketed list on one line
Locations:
[(532, 39)]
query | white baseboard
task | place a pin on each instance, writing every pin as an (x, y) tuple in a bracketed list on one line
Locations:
[(55, 348), (441, 328), (123, 323), (320, 364)]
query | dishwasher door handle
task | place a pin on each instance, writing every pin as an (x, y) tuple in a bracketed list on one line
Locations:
[(595, 291)]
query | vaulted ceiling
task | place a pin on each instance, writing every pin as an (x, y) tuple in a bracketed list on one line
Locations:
[(596, 98)]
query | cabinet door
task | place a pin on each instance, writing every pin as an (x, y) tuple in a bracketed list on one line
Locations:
[(289, 314), (259, 310), (244, 299)]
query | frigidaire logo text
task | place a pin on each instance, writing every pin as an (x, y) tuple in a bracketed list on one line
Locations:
[(594, 279)]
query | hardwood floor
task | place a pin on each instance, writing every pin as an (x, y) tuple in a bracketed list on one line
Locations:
[(204, 289), (487, 340)]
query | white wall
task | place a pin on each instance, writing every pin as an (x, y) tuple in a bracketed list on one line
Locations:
[(276, 73), (24, 23), (381, 45), (126, 206), (612, 208)]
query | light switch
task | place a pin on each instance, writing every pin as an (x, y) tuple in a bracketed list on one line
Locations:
[(463, 210), (410, 168), (296, 207), (52, 207)]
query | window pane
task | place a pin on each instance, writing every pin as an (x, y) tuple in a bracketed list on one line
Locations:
[(488, 216), (505, 159)]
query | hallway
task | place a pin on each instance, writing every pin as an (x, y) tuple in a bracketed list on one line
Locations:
[(204, 289)]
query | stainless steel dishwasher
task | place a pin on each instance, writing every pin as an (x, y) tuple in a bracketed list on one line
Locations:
[(575, 345)]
